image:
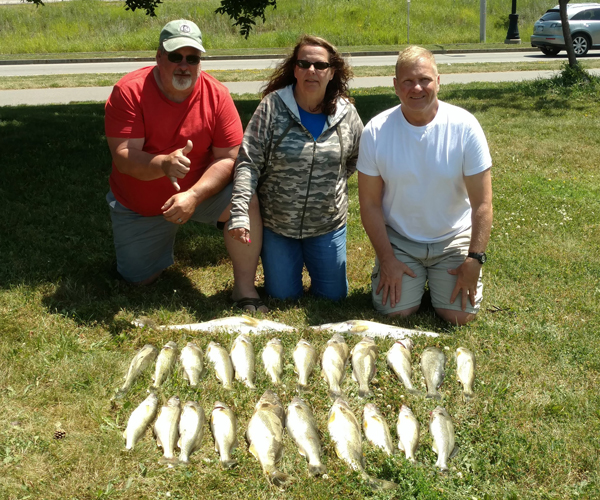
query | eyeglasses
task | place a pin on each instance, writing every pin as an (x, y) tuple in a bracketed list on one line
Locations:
[(176, 57), (319, 65)]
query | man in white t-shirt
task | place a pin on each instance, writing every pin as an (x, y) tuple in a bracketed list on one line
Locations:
[(425, 194)]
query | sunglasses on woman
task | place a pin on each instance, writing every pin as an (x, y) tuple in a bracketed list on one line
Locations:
[(319, 65), (192, 59)]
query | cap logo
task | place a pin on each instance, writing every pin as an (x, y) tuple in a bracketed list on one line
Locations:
[(184, 28)]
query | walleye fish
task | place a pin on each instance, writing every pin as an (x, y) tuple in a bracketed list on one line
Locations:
[(364, 359), (372, 329), (265, 437), (272, 357), (302, 426), (234, 324), (192, 361), (334, 361), (166, 430), (376, 428), (219, 357), (398, 359), (165, 363), (305, 359), (408, 433), (345, 433), (142, 360), (433, 364), (465, 370), (442, 432), (223, 425), (139, 421), (191, 430), (242, 358)]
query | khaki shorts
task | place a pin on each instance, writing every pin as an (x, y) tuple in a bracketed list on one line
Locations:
[(430, 262)]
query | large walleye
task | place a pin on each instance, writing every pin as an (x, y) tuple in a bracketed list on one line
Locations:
[(334, 361), (165, 363), (345, 433), (442, 432), (139, 421), (465, 370), (398, 359), (372, 329), (376, 428), (305, 359), (166, 430), (242, 358), (234, 324), (223, 425), (364, 359), (272, 358), (302, 426), (142, 360), (192, 361), (219, 357), (191, 430), (408, 433), (265, 437), (433, 364)]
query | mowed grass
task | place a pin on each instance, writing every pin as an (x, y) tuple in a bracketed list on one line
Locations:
[(66, 337)]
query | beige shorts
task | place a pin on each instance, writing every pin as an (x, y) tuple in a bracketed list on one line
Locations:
[(430, 262)]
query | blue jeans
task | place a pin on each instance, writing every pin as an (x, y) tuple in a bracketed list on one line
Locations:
[(325, 258)]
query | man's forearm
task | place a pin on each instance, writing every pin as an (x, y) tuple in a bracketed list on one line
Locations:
[(139, 164), (481, 227), (218, 175), (374, 224)]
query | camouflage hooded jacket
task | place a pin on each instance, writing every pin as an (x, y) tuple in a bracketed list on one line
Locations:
[(301, 182)]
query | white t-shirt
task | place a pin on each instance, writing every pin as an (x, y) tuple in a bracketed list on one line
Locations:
[(424, 193)]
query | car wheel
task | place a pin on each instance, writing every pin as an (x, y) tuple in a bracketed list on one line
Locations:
[(549, 51), (581, 45)]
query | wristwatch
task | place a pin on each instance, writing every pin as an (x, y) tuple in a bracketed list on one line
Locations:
[(479, 256)]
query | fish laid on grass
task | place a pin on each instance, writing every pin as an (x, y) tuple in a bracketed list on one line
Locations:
[(233, 324), (272, 358), (442, 433), (223, 425), (376, 429), (165, 363), (191, 430), (166, 430), (398, 359), (242, 359), (192, 361), (364, 365), (408, 433), (433, 365), (372, 329), (346, 436), (142, 360), (305, 360), (139, 421), (265, 437), (334, 361), (465, 371), (219, 357), (301, 425)]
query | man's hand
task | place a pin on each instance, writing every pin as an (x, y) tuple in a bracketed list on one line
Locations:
[(180, 207), (176, 165), (240, 234), (391, 272), (466, 282)]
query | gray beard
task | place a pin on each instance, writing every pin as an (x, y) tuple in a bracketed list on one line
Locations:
[(181, 82)]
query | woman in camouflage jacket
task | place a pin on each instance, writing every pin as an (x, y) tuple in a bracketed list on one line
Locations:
[(298, 151)]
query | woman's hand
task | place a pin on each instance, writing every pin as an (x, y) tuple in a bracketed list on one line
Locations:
[(240, 234)]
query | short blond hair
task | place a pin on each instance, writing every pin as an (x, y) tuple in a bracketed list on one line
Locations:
[(412, 54)]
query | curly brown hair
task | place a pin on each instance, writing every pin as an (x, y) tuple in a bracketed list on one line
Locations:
[(338, 85)]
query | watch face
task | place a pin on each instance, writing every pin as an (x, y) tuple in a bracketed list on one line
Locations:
[(483, 258)]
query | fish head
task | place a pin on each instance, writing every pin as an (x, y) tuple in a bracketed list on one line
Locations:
[(174, 402), (268, 398), (407, 343), (274, 342)]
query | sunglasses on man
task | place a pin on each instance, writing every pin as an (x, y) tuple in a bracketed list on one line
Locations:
[(191, 59), (319, 65)]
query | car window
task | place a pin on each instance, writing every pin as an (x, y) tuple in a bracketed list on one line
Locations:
[(551, 15), (584, 15), (596, 13)]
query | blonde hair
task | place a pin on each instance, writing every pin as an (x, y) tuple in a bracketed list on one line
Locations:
[(412, 54)]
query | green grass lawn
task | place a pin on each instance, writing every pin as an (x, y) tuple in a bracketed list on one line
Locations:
[(66, 336)]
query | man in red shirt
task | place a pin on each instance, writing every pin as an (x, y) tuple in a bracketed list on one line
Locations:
[(174, 133)]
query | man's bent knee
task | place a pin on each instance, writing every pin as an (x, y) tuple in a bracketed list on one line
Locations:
[(458, 318), (404, 313)]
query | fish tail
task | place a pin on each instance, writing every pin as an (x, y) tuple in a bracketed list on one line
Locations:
[(316, 470), (364, 393), (301, 387), (414, 392), (434, 395), (229, 464), (280, 479), (378, 484), (250, 385), (171, 462), (468, 396), (120, 393)]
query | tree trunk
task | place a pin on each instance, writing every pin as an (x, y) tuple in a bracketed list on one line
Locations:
[(567, 33)]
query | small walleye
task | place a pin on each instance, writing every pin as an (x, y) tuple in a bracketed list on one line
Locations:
[(242, 359), (465, 370), (166, 430), (219, 357), (233, 324), (398, 359), (372, 329), (376, 429), (408, 433), (223, 425), (346, 436), (442, 432), (334, 361), (192, 361), (165, 363), (364, 360), (305, 360), (433, 364), (142, 360), (302, 426), (139, 421), (191, 430), (272, 358), (265, 437)]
